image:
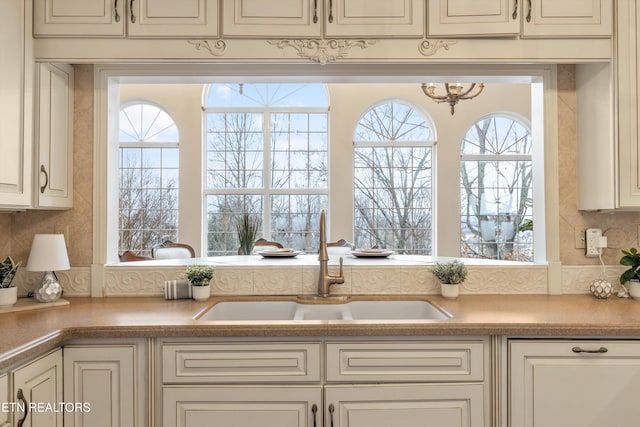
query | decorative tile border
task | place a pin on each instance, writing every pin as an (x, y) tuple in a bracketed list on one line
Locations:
[(369, 280)]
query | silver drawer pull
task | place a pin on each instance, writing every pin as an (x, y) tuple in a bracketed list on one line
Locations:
[(581, 350)]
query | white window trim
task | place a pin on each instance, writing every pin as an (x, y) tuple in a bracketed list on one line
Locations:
[(544, 127)]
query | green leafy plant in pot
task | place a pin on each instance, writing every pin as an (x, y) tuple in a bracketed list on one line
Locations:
[(631, 259), (450, 274), (8, 293), (247, 226), (199, 276)]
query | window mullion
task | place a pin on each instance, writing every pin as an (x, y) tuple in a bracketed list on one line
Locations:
[(266, 179)]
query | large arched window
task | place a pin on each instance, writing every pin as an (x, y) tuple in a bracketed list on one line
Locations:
[(496, 189), (267, 156), (393, 156), (148, 202)]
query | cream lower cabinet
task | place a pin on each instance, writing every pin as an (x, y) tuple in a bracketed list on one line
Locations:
[(37, 386), (442, 405), (355, 383), (110, 380), (256, 405), (4, 398), (574, 383)]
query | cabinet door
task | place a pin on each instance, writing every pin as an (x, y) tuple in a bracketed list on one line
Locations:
[(105, 379), (4, 397), (173, 19), (16, 81), (575, 383), (78, 18), (275, 18), (54, 133), (442, 405), (374, 18), (568, 18), (264, 406), (40, 384), (449, 18)]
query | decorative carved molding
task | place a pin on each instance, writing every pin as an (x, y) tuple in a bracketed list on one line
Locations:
[(430, 47), (320, 50), (217, 48)]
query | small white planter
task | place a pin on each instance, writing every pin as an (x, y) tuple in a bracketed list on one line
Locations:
[(634, 289), (8, 296), (449, 291), (201, 293)]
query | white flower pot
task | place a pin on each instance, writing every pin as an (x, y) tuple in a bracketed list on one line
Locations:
[(8, 296), (201, 293), (634, 289), (449, 291)]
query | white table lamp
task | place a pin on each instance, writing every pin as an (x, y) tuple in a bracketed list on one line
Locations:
[(48, 253)]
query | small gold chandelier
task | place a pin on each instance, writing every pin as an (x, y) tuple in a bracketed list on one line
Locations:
[(454, 92)]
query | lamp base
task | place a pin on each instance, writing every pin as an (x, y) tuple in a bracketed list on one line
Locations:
[(50, 289)]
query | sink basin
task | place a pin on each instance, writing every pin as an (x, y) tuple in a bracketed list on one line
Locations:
[(395, 310), (354, 310), (251, 310)]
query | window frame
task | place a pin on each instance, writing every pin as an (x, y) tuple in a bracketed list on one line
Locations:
[(143, 145), (542, 77), (267, 190), (520, 157), (430, 143)]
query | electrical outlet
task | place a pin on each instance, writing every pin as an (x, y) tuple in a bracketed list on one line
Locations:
[(580, 237), (592, 240)]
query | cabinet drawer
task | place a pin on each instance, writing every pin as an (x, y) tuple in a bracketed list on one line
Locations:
[(239, 363), (415, 361)]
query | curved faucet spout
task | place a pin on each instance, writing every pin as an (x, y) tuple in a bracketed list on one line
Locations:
[(326, 280)]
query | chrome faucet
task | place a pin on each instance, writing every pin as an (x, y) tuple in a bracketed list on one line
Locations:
[(325, 280)]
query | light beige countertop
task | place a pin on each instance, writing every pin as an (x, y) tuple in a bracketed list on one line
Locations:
[(28, 333)]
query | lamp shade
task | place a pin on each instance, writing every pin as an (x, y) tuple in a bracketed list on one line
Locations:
[(48, 253)]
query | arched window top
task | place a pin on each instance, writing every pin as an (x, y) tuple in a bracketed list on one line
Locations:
[(498, 134), (146, 122), (394, 121), (248, 95)]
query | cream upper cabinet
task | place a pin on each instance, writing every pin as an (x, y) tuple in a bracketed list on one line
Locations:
[(79, 18), (120, 18), (39, 383), (574, 383), (54, 136), (331, 18), (16, 90), (627, 92), (171, 18), (567, 18), (526, 18), (375, 18), (277, 18), (609, 144), (449, 18)]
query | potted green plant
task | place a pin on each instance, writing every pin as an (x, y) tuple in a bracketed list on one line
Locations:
[(8, 293), (200, 277), (631, 259), (247, 226), (450, 274)]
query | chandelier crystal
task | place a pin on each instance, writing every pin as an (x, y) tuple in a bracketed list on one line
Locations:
[(454, 92)]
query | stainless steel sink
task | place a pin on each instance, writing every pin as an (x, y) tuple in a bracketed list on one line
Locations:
[(295, 311)]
